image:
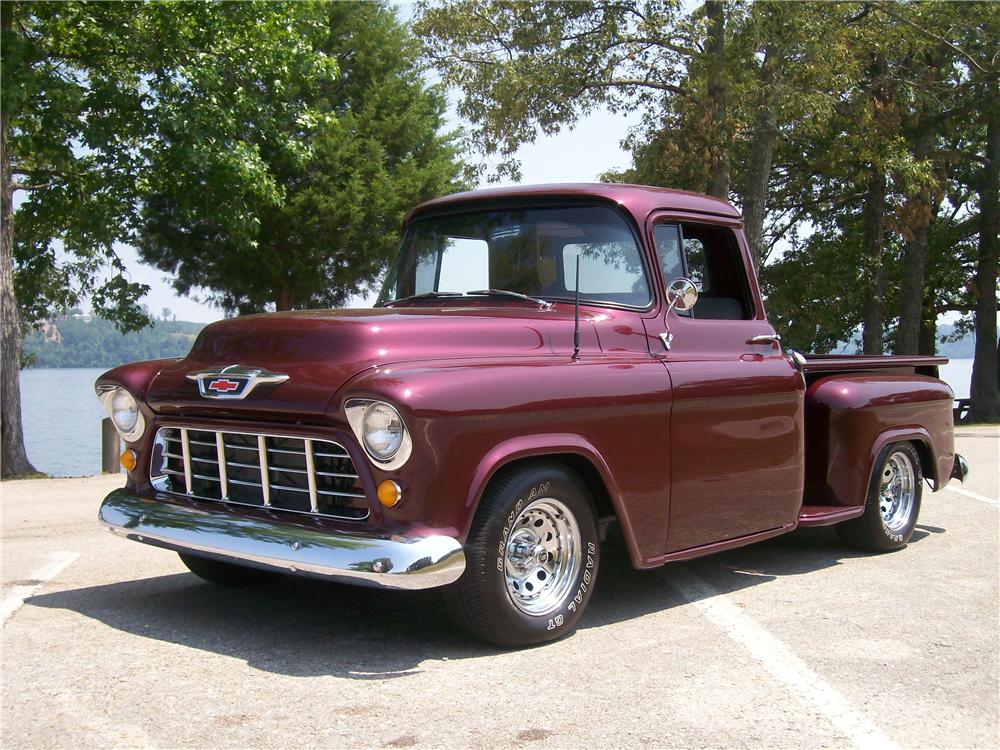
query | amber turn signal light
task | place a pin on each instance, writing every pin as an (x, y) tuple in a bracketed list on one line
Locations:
[(128, 459), (389, 493)]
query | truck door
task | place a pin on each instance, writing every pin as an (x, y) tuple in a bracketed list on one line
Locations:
[(736, 431)]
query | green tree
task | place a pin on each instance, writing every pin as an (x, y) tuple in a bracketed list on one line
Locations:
[(531, 67), (93, 95), (332, 222)]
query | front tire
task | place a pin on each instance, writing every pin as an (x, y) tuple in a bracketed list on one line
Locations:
[(531, 558), (893, 502), (224, 574)]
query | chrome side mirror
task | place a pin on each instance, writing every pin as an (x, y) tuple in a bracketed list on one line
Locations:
[(682, 294)]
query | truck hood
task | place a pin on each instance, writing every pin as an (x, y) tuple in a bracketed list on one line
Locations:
[(319, 350)]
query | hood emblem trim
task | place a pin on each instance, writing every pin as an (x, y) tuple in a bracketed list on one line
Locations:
[(233, 381)]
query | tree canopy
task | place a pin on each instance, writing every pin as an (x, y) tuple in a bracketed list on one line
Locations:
[(316, 217)]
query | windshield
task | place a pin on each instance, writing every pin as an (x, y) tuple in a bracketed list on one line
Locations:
[(531, 251)]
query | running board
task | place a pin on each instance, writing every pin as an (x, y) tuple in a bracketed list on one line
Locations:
[(826, 515), (710, 549)]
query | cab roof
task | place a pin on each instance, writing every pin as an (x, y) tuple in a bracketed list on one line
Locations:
[(639, 200)]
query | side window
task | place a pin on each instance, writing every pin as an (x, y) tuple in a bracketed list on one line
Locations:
[(715, 265), (668, 250), (710, 257), (694, 250)]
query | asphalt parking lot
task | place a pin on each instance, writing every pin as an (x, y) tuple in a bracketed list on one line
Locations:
[(797, 642)]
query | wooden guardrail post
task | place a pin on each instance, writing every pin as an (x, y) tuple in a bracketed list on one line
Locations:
[(110, 447)]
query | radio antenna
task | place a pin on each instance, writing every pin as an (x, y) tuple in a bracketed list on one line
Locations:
[(576, 313)]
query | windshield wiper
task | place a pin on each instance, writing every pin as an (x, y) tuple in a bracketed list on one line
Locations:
[(508, 293), (425, 295)]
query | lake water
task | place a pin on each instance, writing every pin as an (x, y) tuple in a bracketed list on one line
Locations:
[(62, 417)]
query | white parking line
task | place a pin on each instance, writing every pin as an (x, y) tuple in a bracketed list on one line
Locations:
[(974, 495), (57, 562), (778, 659)]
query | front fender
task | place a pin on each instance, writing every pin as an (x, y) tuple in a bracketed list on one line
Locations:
[(136, 377), (469, 418), (558, 444)]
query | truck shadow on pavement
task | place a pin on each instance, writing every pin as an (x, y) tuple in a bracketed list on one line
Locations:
[(303, 627)]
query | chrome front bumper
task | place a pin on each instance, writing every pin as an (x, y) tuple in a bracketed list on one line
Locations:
[(390, 562)]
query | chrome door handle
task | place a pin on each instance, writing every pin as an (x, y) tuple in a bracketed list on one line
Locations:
[(767, 338)]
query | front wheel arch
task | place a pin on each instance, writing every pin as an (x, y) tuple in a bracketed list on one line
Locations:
[(577, 454)]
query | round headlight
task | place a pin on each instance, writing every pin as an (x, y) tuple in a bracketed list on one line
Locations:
[(124, 411), (382, 428)]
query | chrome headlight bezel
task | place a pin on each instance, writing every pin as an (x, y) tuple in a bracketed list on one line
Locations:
[(107, 395), (356, 409)]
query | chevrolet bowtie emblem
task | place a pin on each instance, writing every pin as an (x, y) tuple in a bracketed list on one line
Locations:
[(234, 381)]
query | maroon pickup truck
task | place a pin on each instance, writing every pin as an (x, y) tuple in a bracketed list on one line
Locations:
[(542, 363)]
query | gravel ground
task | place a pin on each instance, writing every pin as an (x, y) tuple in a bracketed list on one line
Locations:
[(796, 642)]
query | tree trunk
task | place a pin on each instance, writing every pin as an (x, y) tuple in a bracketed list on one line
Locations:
[(873, 275), (765, 134), (921, 211), (718, 178), (13, 459), (283, 297), (928, 327), (984, 390)]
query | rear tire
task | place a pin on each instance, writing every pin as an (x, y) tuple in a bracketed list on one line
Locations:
[(892, 505), (531, 558), (224, 574)]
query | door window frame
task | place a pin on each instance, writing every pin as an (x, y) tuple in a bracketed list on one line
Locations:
[(667, 216)]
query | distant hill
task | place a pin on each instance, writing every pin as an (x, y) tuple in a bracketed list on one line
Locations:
[(86, 341), (964, 348)]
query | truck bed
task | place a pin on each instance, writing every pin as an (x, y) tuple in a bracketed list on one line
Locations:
[(825, 364)]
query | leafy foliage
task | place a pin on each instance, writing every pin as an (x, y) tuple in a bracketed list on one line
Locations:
[(97, 92), (532, 67), (301, 214), (818, 99)]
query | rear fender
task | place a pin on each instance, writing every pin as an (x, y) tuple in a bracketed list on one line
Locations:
[(851, 418)]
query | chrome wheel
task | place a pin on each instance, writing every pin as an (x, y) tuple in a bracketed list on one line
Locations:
[(897, 489), (542, 557)]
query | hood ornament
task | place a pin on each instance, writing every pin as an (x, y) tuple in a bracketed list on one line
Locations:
[(233, 381)]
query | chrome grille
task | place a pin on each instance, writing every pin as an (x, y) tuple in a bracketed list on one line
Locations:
[(280, 472)]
